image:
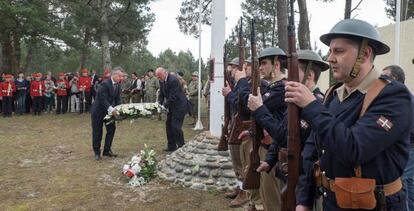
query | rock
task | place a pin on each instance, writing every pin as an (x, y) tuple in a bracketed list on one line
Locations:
[(209, 182), (223, 160), (211, 159), (179, 169), (188, 156), (187, 179), (222, 188), (202, 146), (224, 153), (212, 147), (220, 183), (212, 152), (187, 163), (203, 174), (203, 164), (215, 173), (187, 184), (170, 179), (180, 176), (200, 138), (209, 136), (187, 172), (226, 166), (213, 165), (198, 186), (228, 174)]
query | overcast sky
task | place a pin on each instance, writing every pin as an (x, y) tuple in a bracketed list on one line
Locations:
[(166, 34)]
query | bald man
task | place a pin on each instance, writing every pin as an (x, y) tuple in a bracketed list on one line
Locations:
[(172, 97)]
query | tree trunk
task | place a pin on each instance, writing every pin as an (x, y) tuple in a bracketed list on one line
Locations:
[(85, 48), (106, 54), (274, 30), (348, 5), (303, 31), (11, 53), (29, 57), (282, 24)]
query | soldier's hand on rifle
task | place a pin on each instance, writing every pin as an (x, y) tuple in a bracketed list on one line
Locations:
[(243, 134), (239, 75), (254, 102), (301, 208), (298, 94), (264, 166), (226, 90)]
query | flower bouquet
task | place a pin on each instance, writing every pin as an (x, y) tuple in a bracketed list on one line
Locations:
[(141, 168), (133, 111)]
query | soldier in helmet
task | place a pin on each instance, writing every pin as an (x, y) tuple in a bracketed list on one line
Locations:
[(192, 95), (359, 138), (310, 67), (231, 94), (271, 68)]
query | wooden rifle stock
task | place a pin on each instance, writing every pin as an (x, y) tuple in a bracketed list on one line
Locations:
[(252, 177), (294, 148), (223, 143)]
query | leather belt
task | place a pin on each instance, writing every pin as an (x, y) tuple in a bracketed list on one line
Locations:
[(389, 189)]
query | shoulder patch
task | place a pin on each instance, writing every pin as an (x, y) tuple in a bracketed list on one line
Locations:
[(384, 123)]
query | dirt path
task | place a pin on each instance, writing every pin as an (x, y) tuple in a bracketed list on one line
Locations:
[(47, 164)]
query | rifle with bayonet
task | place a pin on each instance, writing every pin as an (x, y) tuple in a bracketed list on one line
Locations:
[(252, 178), (223, 144), (238, 125), (294, 143)]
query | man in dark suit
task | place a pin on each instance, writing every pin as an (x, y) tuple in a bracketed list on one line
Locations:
[(172, 97), (107, 97)]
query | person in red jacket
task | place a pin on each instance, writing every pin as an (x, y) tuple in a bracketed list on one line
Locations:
[(7, 89), (37, 89), (84, 86), (62, 85)]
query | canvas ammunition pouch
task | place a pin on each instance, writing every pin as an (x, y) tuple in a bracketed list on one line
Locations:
[(236, 128)]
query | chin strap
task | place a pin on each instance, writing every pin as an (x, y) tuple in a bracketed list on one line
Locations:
[(357, 66), (307, 72)]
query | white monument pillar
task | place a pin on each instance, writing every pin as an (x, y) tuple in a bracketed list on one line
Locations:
[(217, 43)]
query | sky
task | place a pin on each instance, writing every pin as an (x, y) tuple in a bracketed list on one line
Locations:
[(166, 34)]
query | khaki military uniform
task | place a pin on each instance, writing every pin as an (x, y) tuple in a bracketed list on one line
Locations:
[(125, 91), (270, 187), (245, 148), (151, 87), (193, 97)]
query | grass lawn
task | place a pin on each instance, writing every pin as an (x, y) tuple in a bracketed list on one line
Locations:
[(47, 163)]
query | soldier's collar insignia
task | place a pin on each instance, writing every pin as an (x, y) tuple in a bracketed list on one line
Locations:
[(384, 123), (267, 94)]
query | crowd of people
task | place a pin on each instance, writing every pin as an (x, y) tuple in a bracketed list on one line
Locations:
[(39, 93)]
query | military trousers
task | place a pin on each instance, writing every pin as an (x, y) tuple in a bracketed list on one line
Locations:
[(270, 187), (245, 148), (235, 159)]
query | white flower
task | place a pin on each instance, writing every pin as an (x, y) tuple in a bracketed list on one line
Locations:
[(136, 168), (125, 168)]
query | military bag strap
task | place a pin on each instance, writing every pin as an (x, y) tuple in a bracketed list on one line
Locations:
[(370, 96), (329, 92)]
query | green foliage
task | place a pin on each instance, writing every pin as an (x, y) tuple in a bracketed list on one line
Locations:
[(391, 8), (51, 29), (189, 16)]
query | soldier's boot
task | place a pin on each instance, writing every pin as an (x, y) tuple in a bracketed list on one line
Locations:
[(241, 199), (233, 194)]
